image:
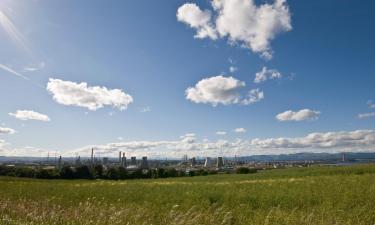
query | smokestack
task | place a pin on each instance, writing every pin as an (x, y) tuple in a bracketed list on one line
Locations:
[(92, 156), (59, 163), (119, 157), (123, 160)]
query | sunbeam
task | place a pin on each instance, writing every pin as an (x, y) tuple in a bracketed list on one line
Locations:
[(12, 31)]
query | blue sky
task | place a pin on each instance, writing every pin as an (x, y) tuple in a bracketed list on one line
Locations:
[(320, 79)]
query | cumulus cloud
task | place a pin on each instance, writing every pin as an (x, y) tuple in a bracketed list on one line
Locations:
[(7, 130), (216, 90), (358, 140), (254, 95), (239, 130), (304, 114), (193, 16), (222, 90), (266, 74), (6, 150), (221, 133), (331, 142), (366, 115), (241, 21), (29, 115), (351, 140), (92, 98)]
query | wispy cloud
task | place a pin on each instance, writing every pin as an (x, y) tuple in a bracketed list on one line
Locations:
[(29, 115), (13, 72), (145, 109), (366, 115), (34, 67)]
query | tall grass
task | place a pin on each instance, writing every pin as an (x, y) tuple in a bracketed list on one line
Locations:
[(325, 195)]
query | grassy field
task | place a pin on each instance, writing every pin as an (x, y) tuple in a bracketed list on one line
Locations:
[(320, 195)]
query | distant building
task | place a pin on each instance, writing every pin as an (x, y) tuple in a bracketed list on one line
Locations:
[(133, 161), (193, 162), (123, 160), (207, 162), (105, 161), (144, 163), (219, 162)]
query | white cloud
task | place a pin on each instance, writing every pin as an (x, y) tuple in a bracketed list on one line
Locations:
[(254, 95), (221, 133), (359, 140), (2, 144), (34, 67), (304, 114), (239, 130), (241, 21), (331, 142), (188, 135), (193, 16), (6, 130), (347, 140), (233, 69), (29, 115), (27, 151), (366, 115), (216, 90), (266, 74), (371, 104), (145, 109), (222, 90), (92, 98)]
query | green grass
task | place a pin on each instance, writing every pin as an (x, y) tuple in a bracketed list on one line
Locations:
[(319, 195)]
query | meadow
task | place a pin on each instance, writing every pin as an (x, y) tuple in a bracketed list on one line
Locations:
[(315, 195)]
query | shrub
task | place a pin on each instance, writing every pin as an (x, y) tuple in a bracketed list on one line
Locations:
[(112, 173), (24, 172), (47, 174), (245, 170), (67, 173), (83, 172)]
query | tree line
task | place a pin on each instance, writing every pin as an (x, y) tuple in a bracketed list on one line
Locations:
[(99, 172)]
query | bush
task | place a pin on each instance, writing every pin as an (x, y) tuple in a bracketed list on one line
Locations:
[(24, 172), (98, 170), (112, 173), (47, 174), (245, 170), (7, 171), (83, 172), (122, 173), (67, 173)]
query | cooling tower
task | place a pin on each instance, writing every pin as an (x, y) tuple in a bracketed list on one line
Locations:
[(144, 163), (219, 162), (207, 162)]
